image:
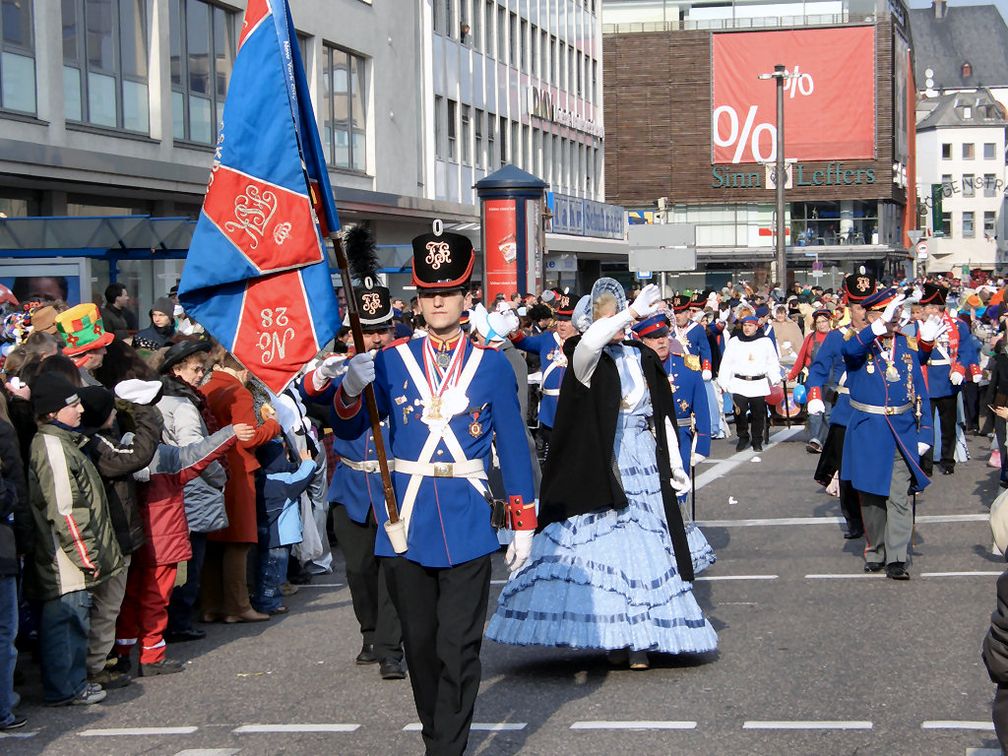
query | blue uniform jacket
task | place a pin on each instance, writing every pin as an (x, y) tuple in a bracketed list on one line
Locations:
[(939, 368), (696, 342), (552, 364), (826, 370), (690, 396), (450, 523), (872, 440)]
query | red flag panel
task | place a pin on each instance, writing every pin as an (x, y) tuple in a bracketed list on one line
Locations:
[(255, 12)]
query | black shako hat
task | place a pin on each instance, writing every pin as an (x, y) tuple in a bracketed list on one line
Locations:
[(374, 305), (934, 294), (859, 285), (563, 304), (442, 261)]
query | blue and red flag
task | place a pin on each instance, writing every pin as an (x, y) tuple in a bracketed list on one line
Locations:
[(257, 275)]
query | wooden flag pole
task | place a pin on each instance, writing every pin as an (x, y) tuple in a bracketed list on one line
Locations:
[(369, 395)]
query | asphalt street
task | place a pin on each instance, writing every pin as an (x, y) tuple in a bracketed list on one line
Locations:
[(815, 657)]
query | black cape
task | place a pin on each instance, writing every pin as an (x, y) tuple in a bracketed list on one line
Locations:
[(580, 473)]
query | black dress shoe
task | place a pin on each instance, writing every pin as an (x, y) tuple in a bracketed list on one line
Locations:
[(852, 534), (948, 471), (757, 447), (873, 566), (184, 636), (897, 571), (743, 442), (367, 654), (391, 669)]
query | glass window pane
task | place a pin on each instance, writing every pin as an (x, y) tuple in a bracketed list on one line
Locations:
[(18, 82), (341, 157), (72, 94), (198, 46), (102, 100), (200, 119), (133, 36), (178, 115), (136, 107), (327, 104), (358, 84), (223, 50), (175, 41), (71, 44), (99, 20), (17, 24), (359, 151)]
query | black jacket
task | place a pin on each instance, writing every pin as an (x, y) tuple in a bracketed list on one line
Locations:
[(580, 474), (999, 380), (16, 530)]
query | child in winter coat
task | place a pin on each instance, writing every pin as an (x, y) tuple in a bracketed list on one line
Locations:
[(279, 484), (152, 572)]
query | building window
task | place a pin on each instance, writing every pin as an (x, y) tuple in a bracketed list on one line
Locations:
[(344, 116), (488, 35), (968, 151), (442, 16), (989, 219), (580, 62), (466, 134), (516, 155), (17, 56), (544, 60), (501, 34), (491, 142), (968, 189), (523, 44), (452, 129), (202, 57), (513, 41), (990, 151), (526, 140), (105, 63), (594, 82), (990, 185), (440, 138), (562, 64), (478, 158), (967, 224), (946, 225), (503, 142), (475, 25), (946, 151)]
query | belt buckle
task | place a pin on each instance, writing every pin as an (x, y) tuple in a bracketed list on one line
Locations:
[(442, 470), (890, 410)]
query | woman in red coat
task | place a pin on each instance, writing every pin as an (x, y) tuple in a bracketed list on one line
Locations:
[(225, 593)]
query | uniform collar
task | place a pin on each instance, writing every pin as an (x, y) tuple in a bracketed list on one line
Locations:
[(444, 345)]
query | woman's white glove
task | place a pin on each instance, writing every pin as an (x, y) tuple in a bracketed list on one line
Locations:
[(931, 328), (519, 550), (922, 448), (680, 480), (816, 406), (647, 302), (360, 372)]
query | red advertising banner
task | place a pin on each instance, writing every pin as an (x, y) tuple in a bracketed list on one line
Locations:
[(500, 248), (829, 99)]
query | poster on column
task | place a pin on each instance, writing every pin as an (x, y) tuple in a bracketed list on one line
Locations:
[(500, 248)]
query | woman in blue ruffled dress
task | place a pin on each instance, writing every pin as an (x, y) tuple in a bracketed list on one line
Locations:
[(611, 567)]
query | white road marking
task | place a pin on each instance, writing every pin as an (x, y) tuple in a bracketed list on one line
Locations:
[(478, 726), (801, 724), (977, 573), (775, 521), (843, 575), (209, 752), (726, 465), (957, 724), (260, 728), (498, 582), (738, 577), (321, 585), (634, 725), (19, 735), (117, 731), (984, 752)]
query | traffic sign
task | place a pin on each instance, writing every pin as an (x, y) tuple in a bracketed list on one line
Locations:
[(644, 275), (922, 250)]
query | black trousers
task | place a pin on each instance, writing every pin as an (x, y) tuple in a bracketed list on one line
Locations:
[(946, 408), (971, 404), (542, 442), (442, 612), (379, 622), (850, 506), (756, 408)]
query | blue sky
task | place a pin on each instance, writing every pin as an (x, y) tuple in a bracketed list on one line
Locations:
[(1001, 4)]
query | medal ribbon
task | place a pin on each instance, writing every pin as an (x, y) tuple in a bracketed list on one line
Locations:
[(435, 380)]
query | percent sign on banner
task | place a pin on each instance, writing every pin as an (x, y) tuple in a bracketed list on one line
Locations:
[(826, 118)]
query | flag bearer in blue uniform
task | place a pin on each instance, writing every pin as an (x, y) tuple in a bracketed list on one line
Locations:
[(691, 334), (552, 362), (954, 360), (446, 400), (887, 431), (357, 503), (827, 379)]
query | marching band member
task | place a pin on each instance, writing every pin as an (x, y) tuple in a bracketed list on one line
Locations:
[(749, 367), (822, 320), (446, 400), (610, 569), (887, 431), (691, 334)]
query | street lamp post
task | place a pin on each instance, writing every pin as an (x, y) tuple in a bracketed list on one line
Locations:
[(780, 74)]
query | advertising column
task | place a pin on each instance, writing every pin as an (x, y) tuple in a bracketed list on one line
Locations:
[(500, 247)]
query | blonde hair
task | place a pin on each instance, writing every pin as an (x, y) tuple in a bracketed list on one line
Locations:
[(601, 303)]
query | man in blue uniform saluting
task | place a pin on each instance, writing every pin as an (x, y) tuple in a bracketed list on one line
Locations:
[(887, 431), (446, 400)]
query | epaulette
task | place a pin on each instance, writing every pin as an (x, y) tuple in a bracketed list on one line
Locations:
[(849, 335), (912, 342), (397, 342), (692, 361)]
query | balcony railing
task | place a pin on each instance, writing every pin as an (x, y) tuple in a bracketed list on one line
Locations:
[(721, 24)]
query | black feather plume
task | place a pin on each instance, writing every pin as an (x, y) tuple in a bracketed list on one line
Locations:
[(362, 256)]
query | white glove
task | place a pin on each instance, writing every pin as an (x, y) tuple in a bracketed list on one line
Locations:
[(977, 377), (330, 367), (889, 313), (360, 372), (680, 480), (922, 448), (816, 406), (723, 315), (647, 302), (519, 550), (956, 379), (696, 459), (931, 328), (706, 375)]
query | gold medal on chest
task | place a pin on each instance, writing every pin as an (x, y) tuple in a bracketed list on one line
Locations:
[(892, 374), (475, 429), (870, 368)]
